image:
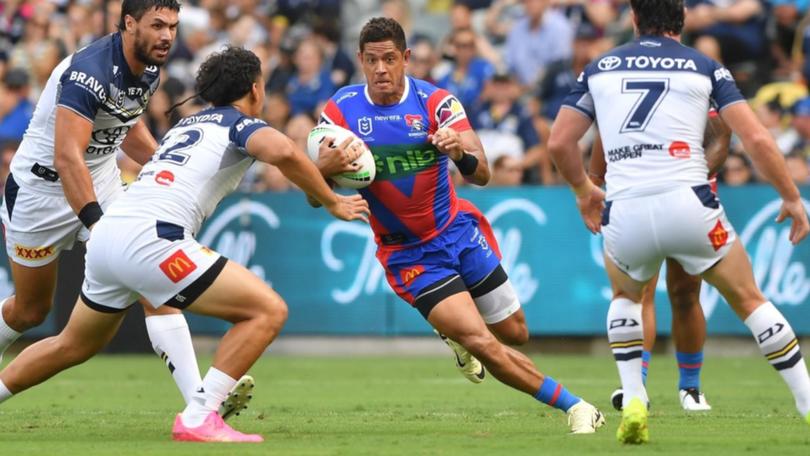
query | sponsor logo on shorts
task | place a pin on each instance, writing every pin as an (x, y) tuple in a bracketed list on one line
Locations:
[(718, 236), (407, 275), (178, 266), (680, 149), (33, 253), (164, 177)]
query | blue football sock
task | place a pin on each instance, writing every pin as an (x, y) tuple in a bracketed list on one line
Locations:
[(645, 363), (555, 395), (689, 365)]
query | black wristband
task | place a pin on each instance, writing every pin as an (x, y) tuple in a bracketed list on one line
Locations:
[(90, 213), (467, 164)]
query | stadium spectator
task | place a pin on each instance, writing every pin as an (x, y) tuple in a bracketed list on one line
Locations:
[(738, 28), (311, 84), (506, 172), (506, 127), (16, 108), (276, 110), (7, 150), (542, 36), (469, 73), (423, 59), (801, 124), (798, 167), (737, 170), (340, 64)]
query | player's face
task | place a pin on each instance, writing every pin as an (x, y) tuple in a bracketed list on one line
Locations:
[(154, 35), (258, 95), (384, 67)]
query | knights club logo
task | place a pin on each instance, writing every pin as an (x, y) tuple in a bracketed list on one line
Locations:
[(415, 122), (364, 126)]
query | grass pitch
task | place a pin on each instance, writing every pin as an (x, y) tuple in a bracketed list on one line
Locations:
[(117, 405)]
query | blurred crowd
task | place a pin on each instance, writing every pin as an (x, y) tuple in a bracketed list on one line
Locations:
[(510, 62)]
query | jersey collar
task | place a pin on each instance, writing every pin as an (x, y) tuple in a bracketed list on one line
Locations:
[(405, 92)]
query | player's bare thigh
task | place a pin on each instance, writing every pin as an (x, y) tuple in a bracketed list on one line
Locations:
[(512, 330), (683, 289), (624, 285), (734, 278)]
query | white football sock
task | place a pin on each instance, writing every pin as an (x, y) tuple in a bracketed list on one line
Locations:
[(207, 398), (4, 392), (7, 334), (626, 338), (171, 340), (779, 345)]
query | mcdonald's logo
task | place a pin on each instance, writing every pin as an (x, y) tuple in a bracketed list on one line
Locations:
[(178, 266), (410, 274)]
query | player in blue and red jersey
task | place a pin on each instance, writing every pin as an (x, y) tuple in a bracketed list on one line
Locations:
[(438, 251)]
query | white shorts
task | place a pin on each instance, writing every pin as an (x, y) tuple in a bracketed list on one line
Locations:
[(161, 261), (38, 227), (687, 224)]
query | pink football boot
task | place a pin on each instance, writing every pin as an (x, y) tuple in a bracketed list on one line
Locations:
[(213, 429)]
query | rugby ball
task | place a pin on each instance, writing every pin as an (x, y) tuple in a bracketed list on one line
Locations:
[(357, 179)]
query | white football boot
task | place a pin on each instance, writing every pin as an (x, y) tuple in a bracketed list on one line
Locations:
[(238, 398), (466, 363), (584, 418), (692, 400)]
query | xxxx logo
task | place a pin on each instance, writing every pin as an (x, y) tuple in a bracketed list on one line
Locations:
[(33, 253)]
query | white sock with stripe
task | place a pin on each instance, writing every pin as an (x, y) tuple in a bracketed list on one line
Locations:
[(624, 328), (209, 395), (779, 345), (171, 340)]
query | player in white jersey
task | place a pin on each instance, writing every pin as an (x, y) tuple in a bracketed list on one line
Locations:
[(650, 99), (144, 245), (688, 321), (64, 173)]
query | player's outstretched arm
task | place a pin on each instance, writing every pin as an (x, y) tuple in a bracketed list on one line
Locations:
[(568, 128), (270, 146), (716, 141), (768, 160), (139, 144), (71, 138)]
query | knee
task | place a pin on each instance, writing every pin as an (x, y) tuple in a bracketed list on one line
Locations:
[(482, 346), (272, 316), (28, 315), (517, 335), (683, 297)]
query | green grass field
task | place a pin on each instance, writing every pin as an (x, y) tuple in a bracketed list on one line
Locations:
[(116, 405)]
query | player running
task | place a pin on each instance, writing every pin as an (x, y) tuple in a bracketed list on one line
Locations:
[(649, 98), (439, 252), (145, 245), (688, 321)]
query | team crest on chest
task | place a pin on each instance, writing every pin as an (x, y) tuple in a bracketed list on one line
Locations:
[(364, 126)]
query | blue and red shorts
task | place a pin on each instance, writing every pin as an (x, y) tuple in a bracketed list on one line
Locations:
[(425, 274)]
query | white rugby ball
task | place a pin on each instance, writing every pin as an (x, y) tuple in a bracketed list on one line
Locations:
[(357, 179)]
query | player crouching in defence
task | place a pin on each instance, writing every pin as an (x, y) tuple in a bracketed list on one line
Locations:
[(144, 245), (439, 252)]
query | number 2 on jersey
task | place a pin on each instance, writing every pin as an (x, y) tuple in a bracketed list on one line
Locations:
[(651, 91), (172, 150)]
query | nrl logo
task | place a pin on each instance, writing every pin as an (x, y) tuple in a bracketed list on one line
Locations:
[(364, 126)]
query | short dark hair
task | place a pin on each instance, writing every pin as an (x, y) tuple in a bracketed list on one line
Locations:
[(137, 8), (383, 29), (228, 75), (657, 17)]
